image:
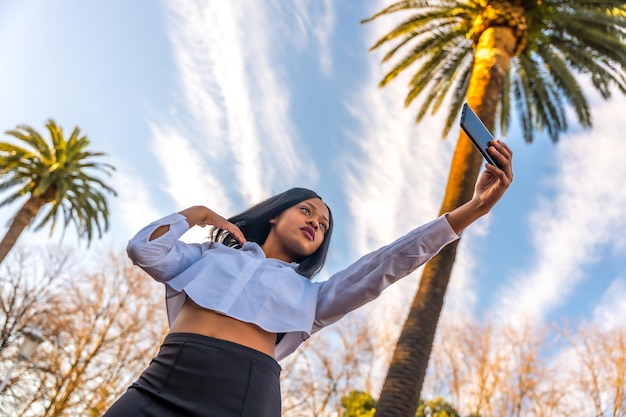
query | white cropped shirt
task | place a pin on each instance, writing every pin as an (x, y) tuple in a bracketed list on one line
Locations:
[(244, 284)]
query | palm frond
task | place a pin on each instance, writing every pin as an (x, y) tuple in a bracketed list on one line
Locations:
[(459, 94), (564, 40), (409, 5), (63, 173)]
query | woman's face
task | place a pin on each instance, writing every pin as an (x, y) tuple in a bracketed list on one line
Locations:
[(298, 231)]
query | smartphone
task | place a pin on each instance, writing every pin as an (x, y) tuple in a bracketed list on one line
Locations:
[(476, 131)]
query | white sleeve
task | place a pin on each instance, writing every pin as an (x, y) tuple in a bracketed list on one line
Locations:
[(366, 279), (290, 342), (164, 257)]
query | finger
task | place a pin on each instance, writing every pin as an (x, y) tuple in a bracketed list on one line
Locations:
[(505, 173), (237, 233), (506, 147), (494, 170), (504, 156), (503, 149), (498, 156), (500, 147), (508, 154), (500, 144)]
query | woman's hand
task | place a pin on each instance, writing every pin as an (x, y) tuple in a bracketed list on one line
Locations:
[(203, 216), (490, 187), (493, 182)]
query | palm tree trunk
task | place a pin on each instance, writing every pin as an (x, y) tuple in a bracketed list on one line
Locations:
[(403, 385), (21, 220)]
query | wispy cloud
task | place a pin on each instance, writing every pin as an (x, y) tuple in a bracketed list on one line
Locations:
[(610, 312), (394, 181), (316, 19), (133, 203), (232, 87), (187, 177), (580, 217)]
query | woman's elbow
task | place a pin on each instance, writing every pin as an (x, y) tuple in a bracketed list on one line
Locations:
[(134, 251)]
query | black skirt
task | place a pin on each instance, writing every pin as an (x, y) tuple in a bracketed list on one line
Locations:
[(200, 376)]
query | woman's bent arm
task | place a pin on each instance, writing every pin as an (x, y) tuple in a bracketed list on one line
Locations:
[(165, 256)]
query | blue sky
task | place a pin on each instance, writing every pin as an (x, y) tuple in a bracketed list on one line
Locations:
[(224, 103)]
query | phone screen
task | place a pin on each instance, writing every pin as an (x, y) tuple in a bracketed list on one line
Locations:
[(477, 132)]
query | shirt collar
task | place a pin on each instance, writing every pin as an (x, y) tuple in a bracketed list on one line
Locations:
[(258, 251)]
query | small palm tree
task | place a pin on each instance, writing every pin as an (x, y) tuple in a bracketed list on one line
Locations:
[(55, 176), (491, 53)]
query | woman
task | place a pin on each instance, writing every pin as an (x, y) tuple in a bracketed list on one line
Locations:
[(238, 304)]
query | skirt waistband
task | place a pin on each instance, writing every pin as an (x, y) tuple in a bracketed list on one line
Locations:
[(176, 338)]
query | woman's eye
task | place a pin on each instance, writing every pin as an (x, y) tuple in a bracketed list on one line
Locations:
[(305, 210), (324, 227)]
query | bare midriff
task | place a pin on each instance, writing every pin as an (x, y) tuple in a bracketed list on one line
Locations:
[(195, 319)]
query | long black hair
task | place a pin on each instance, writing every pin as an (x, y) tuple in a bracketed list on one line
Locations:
[(255, 225)]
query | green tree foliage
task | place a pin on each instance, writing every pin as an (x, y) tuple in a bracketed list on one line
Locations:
[(361, 404), (56, 176), (437, 407), (358, 404)]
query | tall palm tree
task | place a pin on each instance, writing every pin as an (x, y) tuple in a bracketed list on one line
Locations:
[(490, 53), (56, 177)]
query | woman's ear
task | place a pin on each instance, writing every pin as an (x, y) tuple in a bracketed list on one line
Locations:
[(273, 221)]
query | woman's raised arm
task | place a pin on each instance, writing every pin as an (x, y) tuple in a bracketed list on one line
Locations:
[(203, 216)]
